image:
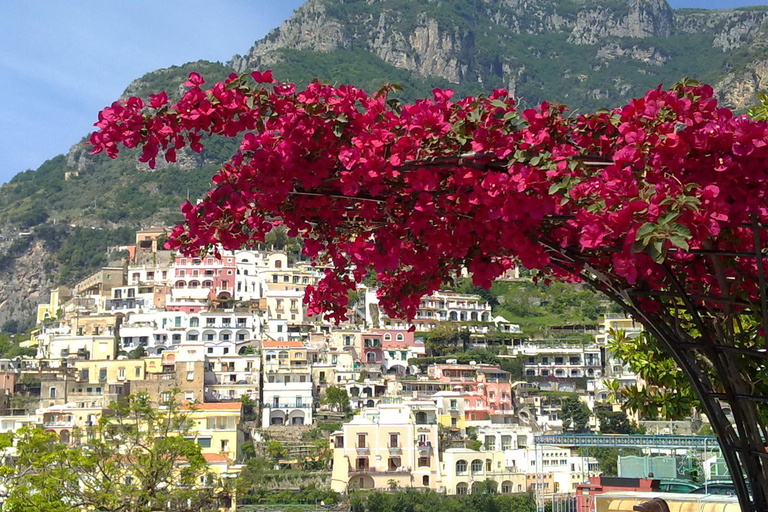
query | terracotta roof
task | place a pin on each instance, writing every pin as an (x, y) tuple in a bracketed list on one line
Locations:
[(282, 344), (215, 457), (218, 406)]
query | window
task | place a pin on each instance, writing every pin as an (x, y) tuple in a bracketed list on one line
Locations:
[(454, 405), (361, 441), (423, 462), (393, 441), (121, 373), (461, 489), (425, 480), (204, 442), (477, 466), (52, 393), (137, 371), (194, 322), (461, 467)]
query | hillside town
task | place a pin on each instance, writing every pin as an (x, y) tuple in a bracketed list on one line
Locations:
[(232, 336)]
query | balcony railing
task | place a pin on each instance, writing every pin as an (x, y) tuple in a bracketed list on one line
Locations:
[(70, 424), (358, 471), (287, 406)]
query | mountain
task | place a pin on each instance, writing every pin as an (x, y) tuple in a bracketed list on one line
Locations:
[(587, 54)]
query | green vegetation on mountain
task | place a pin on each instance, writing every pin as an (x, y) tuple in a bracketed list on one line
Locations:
[(587, 54)]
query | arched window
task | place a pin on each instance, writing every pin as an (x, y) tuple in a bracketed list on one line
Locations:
[(461, 469), (477, 466), (207, 284), (194, 284), (400, 337), (387, 337), (180, 284), (278, 264), (461, 489)]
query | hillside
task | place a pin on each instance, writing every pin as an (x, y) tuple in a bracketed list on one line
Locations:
[(586, 53)]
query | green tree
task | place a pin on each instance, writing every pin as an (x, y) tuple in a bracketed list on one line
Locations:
[(575, 414), (275, 451), (250, 409), (337, 398), (615, 422), (446, 338), (668, 393), (139, 459)]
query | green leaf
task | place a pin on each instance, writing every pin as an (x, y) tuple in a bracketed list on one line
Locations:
[(656, 250), (646, 230), (668, 217), (679, 241)]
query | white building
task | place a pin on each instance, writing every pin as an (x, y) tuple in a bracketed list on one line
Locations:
[(561, 361), (287, 392)]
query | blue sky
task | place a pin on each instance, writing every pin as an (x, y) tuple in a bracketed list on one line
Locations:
[(61, 61)]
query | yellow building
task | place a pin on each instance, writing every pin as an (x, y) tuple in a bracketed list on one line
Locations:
[(218, 429), (392, 444), (450, 410), (468, 471), (46, 312)]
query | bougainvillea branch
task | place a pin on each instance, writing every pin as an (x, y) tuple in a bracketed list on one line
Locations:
[(418, 190), (660, 204)]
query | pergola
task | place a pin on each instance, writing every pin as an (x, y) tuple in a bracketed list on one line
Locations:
[(660, 204)]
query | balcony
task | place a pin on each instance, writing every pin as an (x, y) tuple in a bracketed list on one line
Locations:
[(364, 470), (363, 450), (424, 449), (395, 450), (59, 424), (287, 406)]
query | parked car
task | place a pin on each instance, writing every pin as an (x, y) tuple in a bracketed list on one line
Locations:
[(683, 486), (723, 488)]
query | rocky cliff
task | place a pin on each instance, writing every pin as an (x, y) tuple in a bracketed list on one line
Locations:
[(584, 53), (587, 54)]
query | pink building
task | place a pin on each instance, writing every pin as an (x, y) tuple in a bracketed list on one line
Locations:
[(398, 346), (486, 387), (197, 281)]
